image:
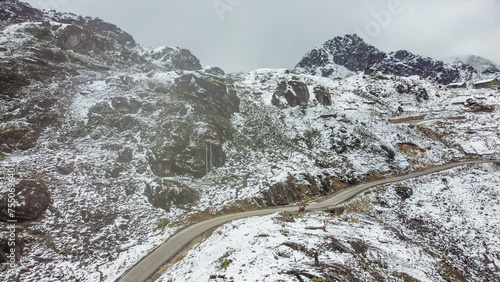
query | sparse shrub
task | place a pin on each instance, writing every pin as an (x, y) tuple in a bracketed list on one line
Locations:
[(404, 192), (360, 205), (225, 263), (311, 137), (162, 223)]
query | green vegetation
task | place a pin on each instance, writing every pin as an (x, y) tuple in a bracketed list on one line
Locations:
[(360, 204), (162, 223), (224, 264), (224, 261)]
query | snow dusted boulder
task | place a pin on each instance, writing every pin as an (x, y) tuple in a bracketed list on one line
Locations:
[(294, 92), (163, 194), (174, 58), (32, 198), (322, 95)]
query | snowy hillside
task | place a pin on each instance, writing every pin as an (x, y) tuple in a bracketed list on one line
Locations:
[(115, 146), (441, 227)]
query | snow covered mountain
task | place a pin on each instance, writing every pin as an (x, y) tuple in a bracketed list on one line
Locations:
[(115, 146), (344, 56)]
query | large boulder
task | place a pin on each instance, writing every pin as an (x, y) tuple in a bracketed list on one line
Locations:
[(32, 199), (76, 38), (164, 194), (323, 96), (294, 92), (175, 58)]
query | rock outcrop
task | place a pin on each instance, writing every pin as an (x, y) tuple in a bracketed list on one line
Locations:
[(163, 194), (294, 92), (174, 58), (31, 197), (184, 142), (295, 190)]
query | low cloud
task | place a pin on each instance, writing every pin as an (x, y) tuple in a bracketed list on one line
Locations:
[(249, 34)]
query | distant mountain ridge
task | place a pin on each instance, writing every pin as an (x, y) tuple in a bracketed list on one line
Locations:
[(343, 56), (482, 65)]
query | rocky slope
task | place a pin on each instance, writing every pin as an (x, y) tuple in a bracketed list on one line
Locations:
[(116, 145), (425, 229), (341, 56)]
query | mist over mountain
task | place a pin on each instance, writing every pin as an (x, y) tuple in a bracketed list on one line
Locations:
[(482, 65)]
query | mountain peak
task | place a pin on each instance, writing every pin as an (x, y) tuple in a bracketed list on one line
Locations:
[(344, 56), (339, 57)]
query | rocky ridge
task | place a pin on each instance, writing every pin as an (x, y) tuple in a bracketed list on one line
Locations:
[(343, 56)]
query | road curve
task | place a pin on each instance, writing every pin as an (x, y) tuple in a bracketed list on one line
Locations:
[(149, 264)]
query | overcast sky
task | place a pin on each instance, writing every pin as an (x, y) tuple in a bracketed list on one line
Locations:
[(242, 35)]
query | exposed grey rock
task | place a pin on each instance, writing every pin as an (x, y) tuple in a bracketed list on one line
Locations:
[(126, 155), (295, 93), (181, 146), (164, 194), (175, 58), (323, 96), (294, 190)]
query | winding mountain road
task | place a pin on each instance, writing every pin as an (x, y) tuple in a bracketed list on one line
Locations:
[(149, 264)]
